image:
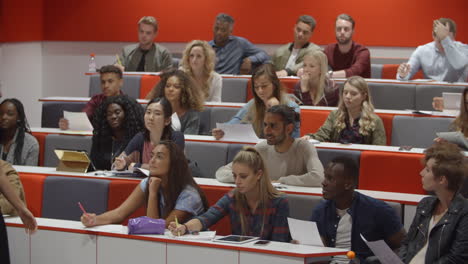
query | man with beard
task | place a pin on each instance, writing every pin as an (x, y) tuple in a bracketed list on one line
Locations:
[(234, 54), (288, 58), (347, 58), (346, 214), (288, 160)]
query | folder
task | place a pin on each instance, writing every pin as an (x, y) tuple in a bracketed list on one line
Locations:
[(72, 160)]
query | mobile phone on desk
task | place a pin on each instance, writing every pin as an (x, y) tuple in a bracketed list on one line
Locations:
[(262, 242)]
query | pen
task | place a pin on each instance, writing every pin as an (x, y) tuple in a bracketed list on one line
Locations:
[(82, 208), (177, 225)]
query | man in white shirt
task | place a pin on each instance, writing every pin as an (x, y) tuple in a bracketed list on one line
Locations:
[(288, 58), (288, 160), (444, 59)]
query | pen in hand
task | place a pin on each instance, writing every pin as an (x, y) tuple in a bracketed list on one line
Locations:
[(82, 208), (177, 226), (118, 59)]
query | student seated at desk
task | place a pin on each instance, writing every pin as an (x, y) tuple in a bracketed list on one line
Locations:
[(198, 62), (289, 160), (157, 127), (267, 92), (345, 214), (460, 124), (169, 192), (26, 216), (185, 97), (15, 183), (439, 232), (17, 145), (255, 207), (117, 120), (111, 83), (354, 121), (315, 87)]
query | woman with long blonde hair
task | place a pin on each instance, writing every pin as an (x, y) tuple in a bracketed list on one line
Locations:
[(255, 207), (315, 87), (198, 61), (267, 91), (354, 121)]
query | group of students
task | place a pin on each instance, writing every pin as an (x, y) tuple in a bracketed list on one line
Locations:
[(438, 233), (125, 136)]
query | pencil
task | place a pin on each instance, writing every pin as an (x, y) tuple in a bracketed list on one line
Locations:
[(177, 225), (118, 59)]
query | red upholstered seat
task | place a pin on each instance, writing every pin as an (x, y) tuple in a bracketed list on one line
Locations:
[(147, 83), (389, 71), (33, 185), (119, 190), (391, 172)]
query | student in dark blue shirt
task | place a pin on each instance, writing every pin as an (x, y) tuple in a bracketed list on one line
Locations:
[(345, 213)]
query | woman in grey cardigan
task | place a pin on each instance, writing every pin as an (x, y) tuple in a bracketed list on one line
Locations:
[(17, 145)]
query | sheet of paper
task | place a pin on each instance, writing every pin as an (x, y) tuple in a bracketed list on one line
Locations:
[(454, 137), (119, 229), (238, 132), (205, 235), (383, 252), (145, 172), (306, 232), (78, 121)]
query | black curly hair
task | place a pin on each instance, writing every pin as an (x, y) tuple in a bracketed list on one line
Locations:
[(132, 124), (22, 127)]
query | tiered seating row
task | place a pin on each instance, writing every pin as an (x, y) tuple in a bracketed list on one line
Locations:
[(101, 193), (381, 168), (311, 120), (386, 94)]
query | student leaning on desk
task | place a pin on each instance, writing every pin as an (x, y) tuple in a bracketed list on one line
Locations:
[(26, 216), (254, 207), (169, 192)]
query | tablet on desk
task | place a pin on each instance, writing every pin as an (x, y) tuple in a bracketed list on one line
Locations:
[(235, 239)]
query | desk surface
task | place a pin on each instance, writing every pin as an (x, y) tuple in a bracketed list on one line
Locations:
[(276, 248), (200, 138), (420, 82)]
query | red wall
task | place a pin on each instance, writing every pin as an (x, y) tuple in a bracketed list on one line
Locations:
[(379, 23), (21, 20)]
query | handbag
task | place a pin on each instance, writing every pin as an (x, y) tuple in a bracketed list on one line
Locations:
[(146, 225)]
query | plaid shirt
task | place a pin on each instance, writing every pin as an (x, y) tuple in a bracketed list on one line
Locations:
[(275, 222)]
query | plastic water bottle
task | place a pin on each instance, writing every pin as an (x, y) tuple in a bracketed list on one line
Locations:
[(92, 63), (352, 258)]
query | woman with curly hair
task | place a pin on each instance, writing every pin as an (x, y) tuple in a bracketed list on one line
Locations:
[(117, 120), (185, 98), (158, 127), (17, 145), (198, 62), (354, 121)]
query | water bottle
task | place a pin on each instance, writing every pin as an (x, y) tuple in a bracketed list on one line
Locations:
[(92, 63), (352, 258)]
